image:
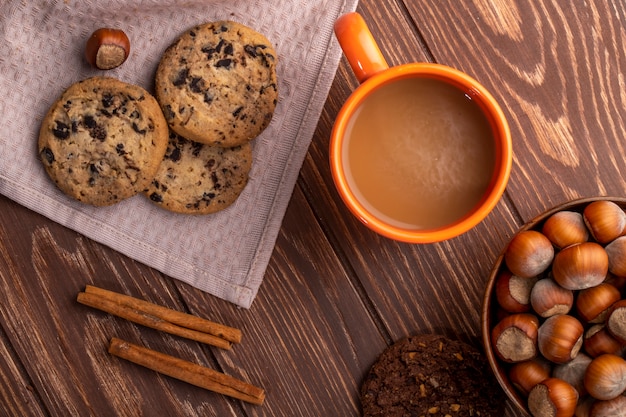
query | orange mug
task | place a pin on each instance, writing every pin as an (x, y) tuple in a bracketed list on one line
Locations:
[(398, 157)]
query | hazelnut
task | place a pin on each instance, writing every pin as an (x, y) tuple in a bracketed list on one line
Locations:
[(616, 321), (565, 228), (525, 375), (548, 298), (605, 378), (513, 292), (580, 266), (514, 338), (616, 250), (107, 48), (605, 220), (553, 397), (560, 338), (609, 408), (592, 304), (598, 341), (573, 372), (529, 254)]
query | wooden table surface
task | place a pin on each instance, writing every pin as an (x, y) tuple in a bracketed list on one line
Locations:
[(335, 294)]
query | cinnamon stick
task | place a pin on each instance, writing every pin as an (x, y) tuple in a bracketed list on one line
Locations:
[(187, 371), (112, 306), (176, 317)]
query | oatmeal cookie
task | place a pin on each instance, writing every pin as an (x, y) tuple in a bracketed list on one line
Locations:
[(196, 178), (102, 141), (217, 84)]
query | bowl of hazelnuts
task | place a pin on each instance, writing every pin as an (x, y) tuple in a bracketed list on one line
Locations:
[(554, 312)]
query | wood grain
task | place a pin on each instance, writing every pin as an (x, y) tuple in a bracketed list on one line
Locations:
[(335, 294)]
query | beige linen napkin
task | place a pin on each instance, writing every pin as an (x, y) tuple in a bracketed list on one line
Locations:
[(224, 254)]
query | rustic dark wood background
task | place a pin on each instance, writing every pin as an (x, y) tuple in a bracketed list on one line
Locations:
[(335, 294)]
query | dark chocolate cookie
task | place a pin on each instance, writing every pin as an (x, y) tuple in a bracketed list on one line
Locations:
[(217, 84), (431, 376), (196, 178), (102, 140)]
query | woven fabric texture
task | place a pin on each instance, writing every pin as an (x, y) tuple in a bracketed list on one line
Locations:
[(224, 254)]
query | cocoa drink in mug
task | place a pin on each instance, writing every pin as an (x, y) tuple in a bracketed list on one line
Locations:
[(419, 152)]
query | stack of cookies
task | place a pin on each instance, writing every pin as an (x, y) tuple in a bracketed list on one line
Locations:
[(188, 148)]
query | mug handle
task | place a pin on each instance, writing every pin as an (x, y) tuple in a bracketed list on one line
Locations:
[(359, 46)]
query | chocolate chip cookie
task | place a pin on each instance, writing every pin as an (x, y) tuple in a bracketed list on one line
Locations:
[(196, 178), (217, 84), (431, 375), (102, 141)]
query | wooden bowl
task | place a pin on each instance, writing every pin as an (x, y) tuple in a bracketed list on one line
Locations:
[(489, 307)]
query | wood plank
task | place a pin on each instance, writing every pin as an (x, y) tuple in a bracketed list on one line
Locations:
[(62, 344), (308, 338), (17, 396), (335, 294), (317, 348)]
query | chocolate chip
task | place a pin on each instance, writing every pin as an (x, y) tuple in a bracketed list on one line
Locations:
[(119, 148), (219, 46), (250, 50), (168, 112), (237, 111), (196, 147), (157, 198), (181, 78), (98, 132), (208, 98), (209, 51), (228, 49), (107, 100), (47, 155), (89, 122), (138, 130), (197, 85), (215, 180), (174, 155), (61, 131), (224, 63), (192, 33)]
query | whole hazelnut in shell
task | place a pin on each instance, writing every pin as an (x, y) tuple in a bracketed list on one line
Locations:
[(513, 292), (553, 397), (107, 48), (548, 298), (580, 266), (605, 220), (560, 338), (514, 338), (616, 250), (565, 228), (605, 378), (529, 254)]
